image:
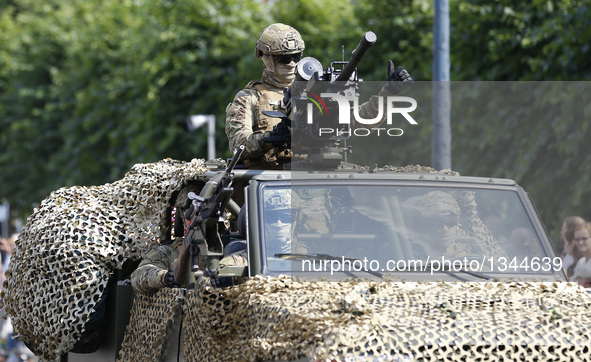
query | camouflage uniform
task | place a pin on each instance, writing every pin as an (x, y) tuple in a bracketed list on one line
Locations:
[(148, 276), (313, 215), (158, 261), (245, 123), (237, 259)]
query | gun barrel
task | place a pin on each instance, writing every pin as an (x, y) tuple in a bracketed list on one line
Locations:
[(366, 42), (235, 158)]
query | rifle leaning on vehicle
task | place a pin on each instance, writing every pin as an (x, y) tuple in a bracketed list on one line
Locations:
[(203, 213)]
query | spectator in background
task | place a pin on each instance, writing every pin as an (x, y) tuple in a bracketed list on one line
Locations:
[(570, 253), (6, 249), (582, 239)]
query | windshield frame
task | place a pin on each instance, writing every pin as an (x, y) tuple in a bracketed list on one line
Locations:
[(524, 199)]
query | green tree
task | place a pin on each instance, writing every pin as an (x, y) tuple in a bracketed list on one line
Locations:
[(542, 146), (405, 35), (520, 40), (87, 89), (324, 25), (538, 139)]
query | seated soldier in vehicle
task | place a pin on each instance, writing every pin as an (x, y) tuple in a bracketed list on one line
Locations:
[(277, 211), (157, 269), (314, 213), (291, 216), (280, 211), (438, 225)]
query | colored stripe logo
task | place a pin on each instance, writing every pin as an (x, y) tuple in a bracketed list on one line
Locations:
[(316, 103)]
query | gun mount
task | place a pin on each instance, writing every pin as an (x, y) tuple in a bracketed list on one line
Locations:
[(203, 213), (310, 109)]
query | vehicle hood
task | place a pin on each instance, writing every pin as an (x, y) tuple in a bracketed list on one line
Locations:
[(280, 318)]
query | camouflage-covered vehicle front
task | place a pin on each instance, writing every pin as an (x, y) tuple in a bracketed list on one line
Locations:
[(393, 264)]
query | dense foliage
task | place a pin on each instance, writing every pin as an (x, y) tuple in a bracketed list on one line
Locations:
[(89, 88)]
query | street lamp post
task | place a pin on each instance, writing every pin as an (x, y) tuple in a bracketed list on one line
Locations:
[(441, 152), (198, 120)]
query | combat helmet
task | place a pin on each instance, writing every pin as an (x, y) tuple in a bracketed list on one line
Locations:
[(279, 39), (438, 203), (278, 204)]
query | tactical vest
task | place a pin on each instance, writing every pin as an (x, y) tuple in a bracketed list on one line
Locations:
[(269, 99)]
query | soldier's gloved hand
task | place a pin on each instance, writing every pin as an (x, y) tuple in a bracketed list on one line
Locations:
[(398, 78), (168, 280), (282, 129), (221, 282), (265, 141), (277, 137)]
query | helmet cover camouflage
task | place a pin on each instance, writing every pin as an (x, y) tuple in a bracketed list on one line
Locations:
[(279, 39), (438, 203), (276, 199)]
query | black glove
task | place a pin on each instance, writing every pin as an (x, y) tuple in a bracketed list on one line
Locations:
[(398, 79), (169, 281), (282, 128), (279, 136)]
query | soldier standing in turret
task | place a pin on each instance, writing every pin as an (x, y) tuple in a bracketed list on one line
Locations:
[(280, 47)]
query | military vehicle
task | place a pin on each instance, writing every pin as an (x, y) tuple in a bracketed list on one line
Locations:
[(402, 267), (345, 263)]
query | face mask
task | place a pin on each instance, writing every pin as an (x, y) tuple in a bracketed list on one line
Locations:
[(437, 242), (449, 236), (278, 74), (278, 238)]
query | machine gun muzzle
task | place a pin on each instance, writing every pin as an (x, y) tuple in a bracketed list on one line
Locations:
[(357, 55)]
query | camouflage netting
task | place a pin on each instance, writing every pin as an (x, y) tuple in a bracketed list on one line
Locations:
[(151, 316), (472, 225), (416, 169), (74, 240), (78, 236), (282, 319)]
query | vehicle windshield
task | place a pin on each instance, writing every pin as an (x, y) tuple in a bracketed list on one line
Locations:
[(402, 228)]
